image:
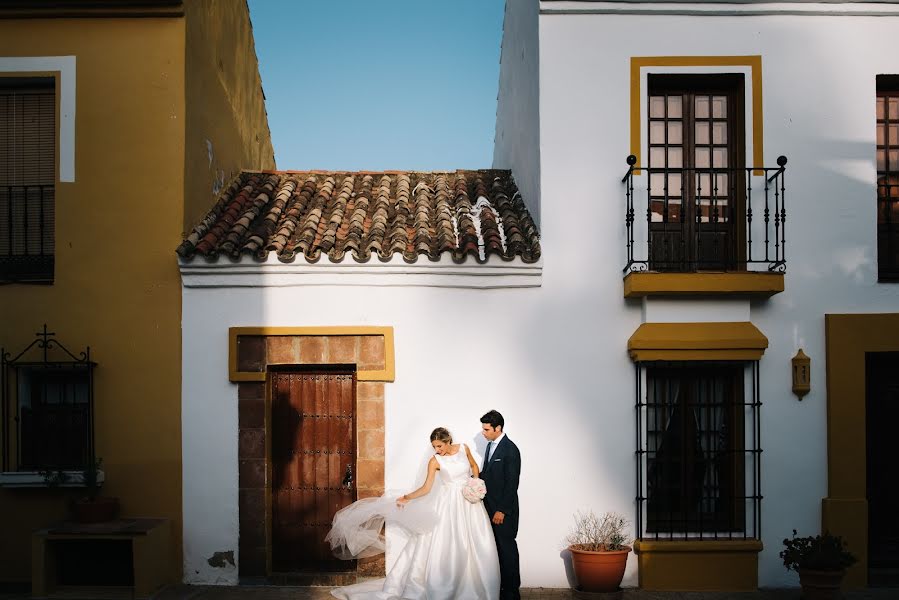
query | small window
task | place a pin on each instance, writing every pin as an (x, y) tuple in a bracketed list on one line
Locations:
[(697, 440), (888, 177), (27, 179), (54, 414), (47, 402)]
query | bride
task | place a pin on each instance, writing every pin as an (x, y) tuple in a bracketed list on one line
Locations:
[(450, 553)]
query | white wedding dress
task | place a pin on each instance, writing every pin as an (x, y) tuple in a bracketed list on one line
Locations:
[(456, 560)]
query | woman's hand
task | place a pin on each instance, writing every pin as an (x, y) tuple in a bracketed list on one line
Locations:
[(425, 488)]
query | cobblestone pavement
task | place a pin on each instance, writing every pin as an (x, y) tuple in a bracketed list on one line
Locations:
[(187, 592)]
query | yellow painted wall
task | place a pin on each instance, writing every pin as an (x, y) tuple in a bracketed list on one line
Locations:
[(227, 127), (845, 510), (117, 286)]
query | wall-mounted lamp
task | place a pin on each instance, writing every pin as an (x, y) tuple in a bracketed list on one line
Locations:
[(802, 374)]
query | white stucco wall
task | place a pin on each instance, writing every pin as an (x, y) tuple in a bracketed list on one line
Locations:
[(459, 352), (819, 112), (516, 139)]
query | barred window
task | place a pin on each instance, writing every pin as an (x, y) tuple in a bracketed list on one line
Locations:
[(698, 467), (27, 178), (888, 177), (54, 411), (46, 397)]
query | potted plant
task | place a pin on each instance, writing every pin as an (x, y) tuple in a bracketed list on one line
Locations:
[(54, 478), (599, 549), (821, 562), (94, 508)]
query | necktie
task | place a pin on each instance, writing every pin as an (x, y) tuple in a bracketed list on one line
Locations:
[(487, 456)]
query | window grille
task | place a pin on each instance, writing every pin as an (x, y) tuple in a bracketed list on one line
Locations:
[(698, 451), (47, 407), (27, 179)]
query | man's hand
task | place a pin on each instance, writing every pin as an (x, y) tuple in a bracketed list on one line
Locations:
[(498, 518)]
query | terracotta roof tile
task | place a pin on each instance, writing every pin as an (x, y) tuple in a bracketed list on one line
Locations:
[(335, 214)]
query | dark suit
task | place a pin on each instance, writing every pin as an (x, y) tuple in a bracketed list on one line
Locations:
[(501, 474)]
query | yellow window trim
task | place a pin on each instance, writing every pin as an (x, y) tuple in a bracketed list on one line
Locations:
[(754, 62), (761, 284), (697, 546), (708, 565), (739, 340), (388, 373)]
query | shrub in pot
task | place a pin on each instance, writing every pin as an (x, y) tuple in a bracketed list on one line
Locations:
[(94, 508), (599, 548), (821, 562)]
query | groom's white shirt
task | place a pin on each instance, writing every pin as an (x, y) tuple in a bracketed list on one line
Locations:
[(495, 444)]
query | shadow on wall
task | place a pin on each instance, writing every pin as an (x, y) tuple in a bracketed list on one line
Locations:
[(565, 555)]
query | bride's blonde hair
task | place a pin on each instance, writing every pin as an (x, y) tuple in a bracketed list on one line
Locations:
[(442, 434)]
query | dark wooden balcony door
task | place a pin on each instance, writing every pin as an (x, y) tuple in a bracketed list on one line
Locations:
[(696, 180), (888, 178), (313, 465), (882, 407)]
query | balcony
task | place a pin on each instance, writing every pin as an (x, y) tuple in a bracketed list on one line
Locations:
[(705, 232), (26, 233)]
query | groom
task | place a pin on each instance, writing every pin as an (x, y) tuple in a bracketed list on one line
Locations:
[(500, 472)]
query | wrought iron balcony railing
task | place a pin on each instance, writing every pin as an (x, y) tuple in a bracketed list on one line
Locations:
[(26, 232), (887, 226), (700, 219)]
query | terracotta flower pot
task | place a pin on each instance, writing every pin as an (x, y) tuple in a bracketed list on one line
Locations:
[(97, 510), (821, 585), (599, 571)]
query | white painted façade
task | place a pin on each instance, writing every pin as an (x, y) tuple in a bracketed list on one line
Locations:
[(649, 394)]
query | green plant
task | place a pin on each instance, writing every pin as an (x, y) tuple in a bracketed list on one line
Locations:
[(820, 553), (54, 477), (598, 534), (90, 475)]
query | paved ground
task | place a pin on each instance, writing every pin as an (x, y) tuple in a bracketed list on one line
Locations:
[(185, 592), (287, 593), (280, 593)]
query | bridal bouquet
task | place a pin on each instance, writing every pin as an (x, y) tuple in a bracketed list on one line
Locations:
[(474, 490)]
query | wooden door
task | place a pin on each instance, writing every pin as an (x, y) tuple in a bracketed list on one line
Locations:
[(882, 404), (313, 455)]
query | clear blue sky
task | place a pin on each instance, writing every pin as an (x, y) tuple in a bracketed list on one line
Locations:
[(380, 84)]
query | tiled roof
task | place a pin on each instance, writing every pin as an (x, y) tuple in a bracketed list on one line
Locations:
[(462, 213)]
